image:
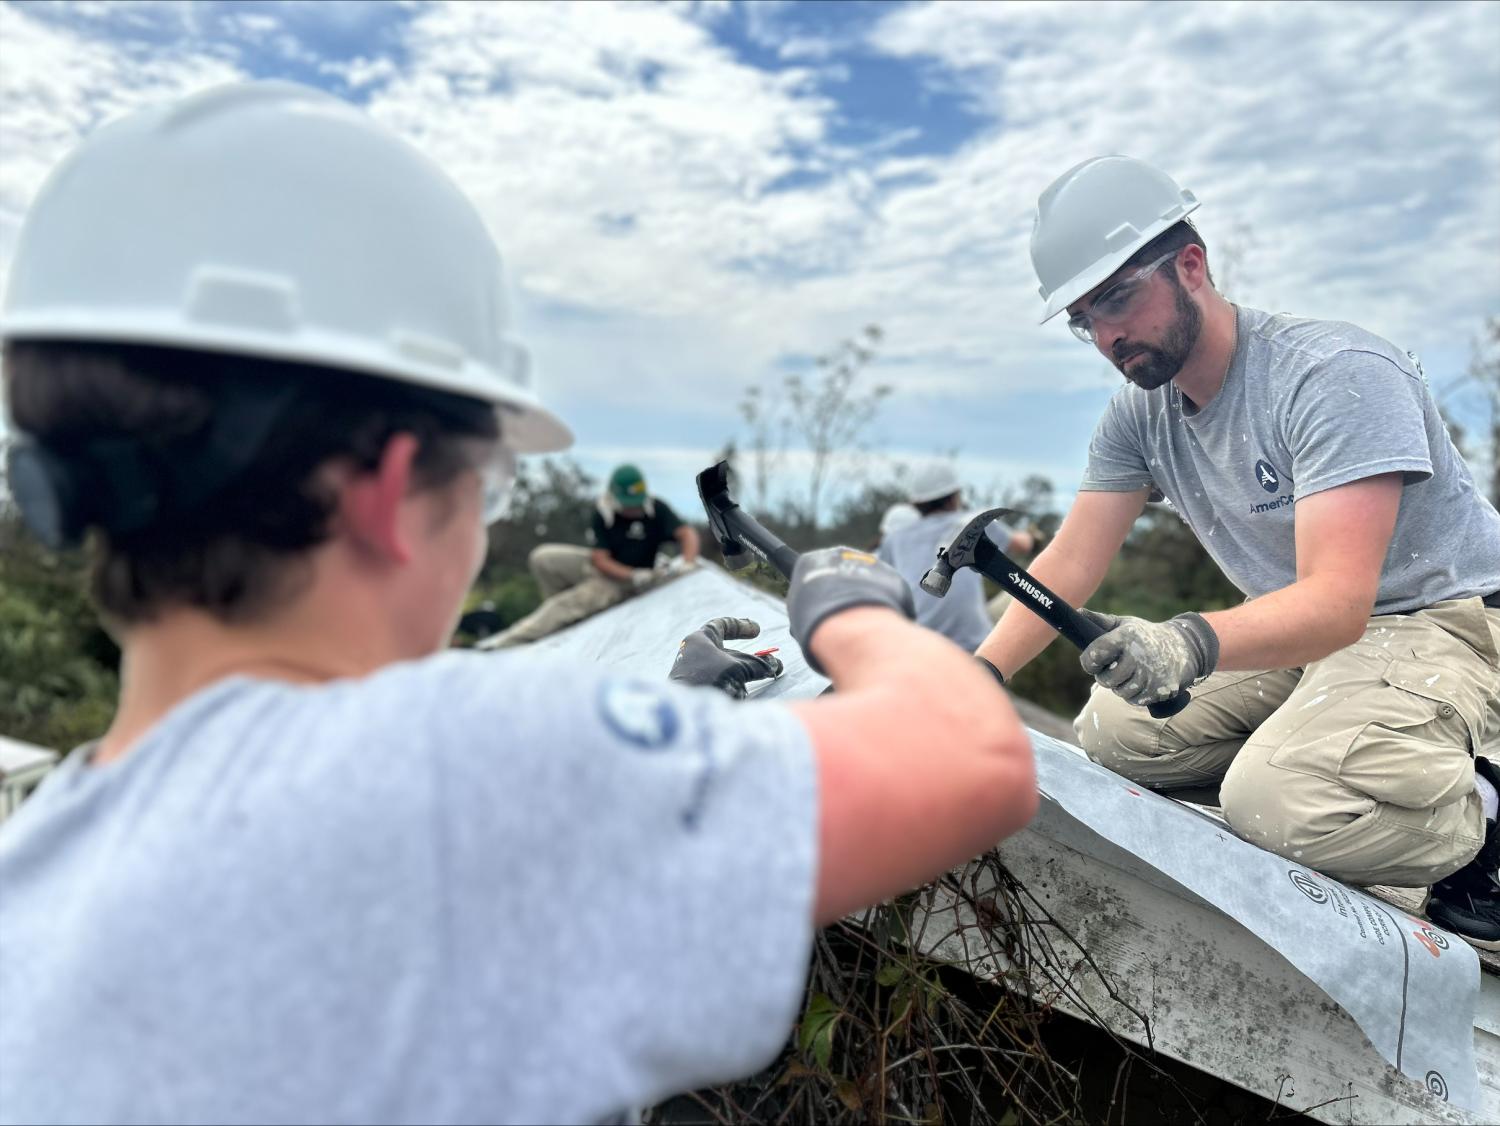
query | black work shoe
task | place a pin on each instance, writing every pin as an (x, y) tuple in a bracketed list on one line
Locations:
[(1468, 902)]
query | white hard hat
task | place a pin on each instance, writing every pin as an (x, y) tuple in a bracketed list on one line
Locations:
[(933, 482), (1093, 217), (898, 516), (271, 220)]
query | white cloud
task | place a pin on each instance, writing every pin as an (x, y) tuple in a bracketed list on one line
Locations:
[(1360, 143), (56, 86), (631, 166), (361, 72), (551, 121), (806, 47)]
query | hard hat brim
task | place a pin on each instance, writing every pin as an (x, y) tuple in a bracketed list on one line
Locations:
[(527, 427), (1099, 272)]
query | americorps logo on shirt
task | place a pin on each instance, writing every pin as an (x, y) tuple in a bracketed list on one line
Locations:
[(1269, 479), (639, 714), (1266, 476)]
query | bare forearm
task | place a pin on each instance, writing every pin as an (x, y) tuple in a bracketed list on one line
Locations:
[(610, 567), (1020, 635), (871, 646), (1343, 535), (687, 541), (916, 678), (1293, 626), (922, 761)]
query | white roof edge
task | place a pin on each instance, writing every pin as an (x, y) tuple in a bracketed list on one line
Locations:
[(16, 756)]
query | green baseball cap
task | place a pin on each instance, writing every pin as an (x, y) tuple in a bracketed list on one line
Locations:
[(627, 486)]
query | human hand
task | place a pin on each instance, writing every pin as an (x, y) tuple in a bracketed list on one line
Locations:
[(703, 660), (1145, 662), (834, 579)]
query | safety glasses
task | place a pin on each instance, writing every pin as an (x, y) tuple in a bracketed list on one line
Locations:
[(1117, 302), (497, 477)]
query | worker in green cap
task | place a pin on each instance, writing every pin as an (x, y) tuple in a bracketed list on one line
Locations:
[(629, 528)]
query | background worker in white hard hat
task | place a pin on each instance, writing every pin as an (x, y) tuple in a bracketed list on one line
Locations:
[(900, 515), (628, 529), (936, 494), (319, 868), (1343, 703)]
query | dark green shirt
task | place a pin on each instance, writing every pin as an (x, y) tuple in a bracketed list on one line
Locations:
[(634, 540)]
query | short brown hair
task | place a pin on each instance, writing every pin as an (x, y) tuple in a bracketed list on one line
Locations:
[(1175, 237), (235, 554)]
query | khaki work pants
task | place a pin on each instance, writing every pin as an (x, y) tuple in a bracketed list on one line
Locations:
[(572, 589), (1360, 765)]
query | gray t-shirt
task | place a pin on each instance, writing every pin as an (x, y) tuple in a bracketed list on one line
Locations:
[(465, 889), (1306, 406), (960, 614)]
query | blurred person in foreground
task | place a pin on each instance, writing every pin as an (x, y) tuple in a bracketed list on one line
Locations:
[(255, 352)]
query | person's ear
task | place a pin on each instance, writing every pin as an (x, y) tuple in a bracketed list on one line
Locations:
[(370, 502), (1194, 265)]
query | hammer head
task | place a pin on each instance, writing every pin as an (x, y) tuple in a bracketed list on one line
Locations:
[(959, 552), (713, 491)]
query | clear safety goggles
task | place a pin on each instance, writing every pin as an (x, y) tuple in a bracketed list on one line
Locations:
[(1117, 302), (497, 477)]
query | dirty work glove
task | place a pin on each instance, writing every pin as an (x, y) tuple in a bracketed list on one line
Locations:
[(703, 660), (1146, 662), (641, 578), (840, 578), (674, 565)]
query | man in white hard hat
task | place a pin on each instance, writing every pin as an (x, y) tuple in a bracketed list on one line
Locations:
[(255, 351), (961, 615), (1342, 704), (902, 514)]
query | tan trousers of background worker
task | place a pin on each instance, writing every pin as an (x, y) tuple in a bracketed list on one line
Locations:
[(572, 589), (1360, 765)]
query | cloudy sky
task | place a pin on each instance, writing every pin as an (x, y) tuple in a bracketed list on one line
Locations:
[(695, 197)]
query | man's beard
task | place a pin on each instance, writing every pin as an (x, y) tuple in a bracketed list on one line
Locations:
[(1161, 362)]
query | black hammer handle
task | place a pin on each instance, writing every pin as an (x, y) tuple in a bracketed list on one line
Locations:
[(760, 540), (735, 529), (989, 560)]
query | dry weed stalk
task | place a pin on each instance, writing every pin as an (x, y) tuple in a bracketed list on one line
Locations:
[(889, 1035)]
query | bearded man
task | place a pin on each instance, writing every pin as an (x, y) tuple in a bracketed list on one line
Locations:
[(1342, 706)]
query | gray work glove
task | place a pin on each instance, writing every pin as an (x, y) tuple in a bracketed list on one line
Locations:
[(703, 660), (833, 579), (1147, 662)]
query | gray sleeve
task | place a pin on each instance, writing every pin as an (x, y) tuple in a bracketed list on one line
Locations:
[(640, 856), (1117, 461), (1356, 415)]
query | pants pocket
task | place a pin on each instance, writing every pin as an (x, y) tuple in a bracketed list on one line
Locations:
[(1419, 752), (1447, 698), (1402, 740)]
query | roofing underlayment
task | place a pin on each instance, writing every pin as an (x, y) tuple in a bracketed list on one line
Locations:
[(1151, 918)]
